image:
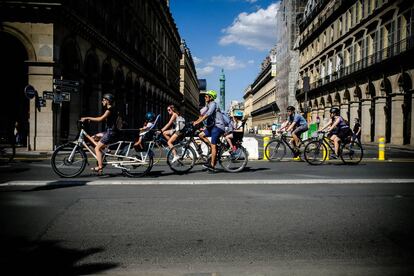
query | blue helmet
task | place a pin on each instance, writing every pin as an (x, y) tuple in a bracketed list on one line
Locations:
[(150, 116)]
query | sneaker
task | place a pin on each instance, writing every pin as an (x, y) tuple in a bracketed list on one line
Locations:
[(297, 158), (212, 170), (333, 156), (207, 166), (175, 159)]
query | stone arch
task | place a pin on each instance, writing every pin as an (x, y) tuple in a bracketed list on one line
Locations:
[(370, 91), (329, 101), (315, 103), (357, 95), (385, 87), (405, 83), (322, 104), (70, 59), (13, 79), (347, 96), (386, 90), (27, 42), (337, 99)]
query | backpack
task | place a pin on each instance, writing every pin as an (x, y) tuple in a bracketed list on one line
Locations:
[(226, 119)]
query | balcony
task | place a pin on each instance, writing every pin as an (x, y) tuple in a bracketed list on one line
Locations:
[(376, 58)]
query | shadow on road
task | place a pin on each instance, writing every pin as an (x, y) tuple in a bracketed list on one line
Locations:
[(59, 184), (19, 256)]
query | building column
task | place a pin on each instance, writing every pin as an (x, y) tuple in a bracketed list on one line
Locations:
[(366, 121), (41, 123), (353, 112), (379, 118), (344, 109), (412, 120), (314, 114), (397, 119)]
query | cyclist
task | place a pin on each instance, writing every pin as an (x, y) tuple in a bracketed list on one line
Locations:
[(110, 116), (214, 127), (298, 124), (172, 130), (274, 129), (338, 129), (357, 131), (145, 131), (235, 128)]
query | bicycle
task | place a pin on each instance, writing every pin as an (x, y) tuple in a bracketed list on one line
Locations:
[(316, 152), (189, 150), (70, 159), (234, 161), (275, 150)]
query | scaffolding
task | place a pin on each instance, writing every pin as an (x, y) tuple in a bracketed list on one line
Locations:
[(287, 64)]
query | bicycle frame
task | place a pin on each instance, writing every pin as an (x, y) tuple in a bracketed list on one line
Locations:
[(119, 152)]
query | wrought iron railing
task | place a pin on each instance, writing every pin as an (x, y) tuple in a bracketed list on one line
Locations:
[(382, 55)]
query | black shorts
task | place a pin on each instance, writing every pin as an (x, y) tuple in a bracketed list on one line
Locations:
[(299, 130), (110, 136)]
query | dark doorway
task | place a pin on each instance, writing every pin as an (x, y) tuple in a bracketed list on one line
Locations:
[(13, 79)]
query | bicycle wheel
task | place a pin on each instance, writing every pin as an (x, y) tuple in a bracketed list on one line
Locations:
[(159, 152), (137, 164), (315, 153), (352, 153), (235, 161), (202, 149), (275, 150), (181, 158), (64, 167)]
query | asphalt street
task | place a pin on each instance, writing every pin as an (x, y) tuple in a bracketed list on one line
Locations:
[(282, 218), (363, 229)]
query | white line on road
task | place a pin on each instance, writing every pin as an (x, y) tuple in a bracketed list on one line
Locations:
[(209, 182)]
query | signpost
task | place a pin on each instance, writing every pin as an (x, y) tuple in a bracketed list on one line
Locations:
[(30, 91)]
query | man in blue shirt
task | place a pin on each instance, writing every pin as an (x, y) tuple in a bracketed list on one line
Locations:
[(215, 126), (298, 124)]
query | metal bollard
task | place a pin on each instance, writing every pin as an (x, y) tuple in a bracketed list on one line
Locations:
[(381, 149), (266, 140)]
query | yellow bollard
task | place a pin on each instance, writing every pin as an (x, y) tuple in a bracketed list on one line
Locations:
[(265, 143), (326, 154), (381, 149)]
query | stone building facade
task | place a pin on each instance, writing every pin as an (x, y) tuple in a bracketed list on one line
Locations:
[(263, 89), (357, 55), (131, 49), (189, 87), (248, 107)]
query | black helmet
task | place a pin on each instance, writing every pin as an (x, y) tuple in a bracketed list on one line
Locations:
[(150, 116), (290, 108), (335, 110), (109, 97)]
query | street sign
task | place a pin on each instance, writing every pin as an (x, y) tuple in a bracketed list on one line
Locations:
[(30, 91), (57, 98), (65, 96), (42, 102), (59, 82), (48, 95), (59, 88)]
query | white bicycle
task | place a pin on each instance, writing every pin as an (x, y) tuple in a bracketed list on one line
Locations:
[(69, 160)]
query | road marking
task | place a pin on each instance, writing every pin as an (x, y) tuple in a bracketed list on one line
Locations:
[(209, 182)]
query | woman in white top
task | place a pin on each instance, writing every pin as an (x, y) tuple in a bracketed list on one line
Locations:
[(172, 130)]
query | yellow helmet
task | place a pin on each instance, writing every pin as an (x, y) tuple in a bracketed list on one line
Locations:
[(211, 93)]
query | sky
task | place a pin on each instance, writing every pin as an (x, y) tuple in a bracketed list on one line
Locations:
[(234, 35)]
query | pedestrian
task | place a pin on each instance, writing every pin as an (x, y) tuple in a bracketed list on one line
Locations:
[(357, 131)]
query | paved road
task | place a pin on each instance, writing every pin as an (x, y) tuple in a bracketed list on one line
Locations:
[(364, 229), (257, 170)]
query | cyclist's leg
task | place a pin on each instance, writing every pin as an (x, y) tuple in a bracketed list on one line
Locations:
[(204, 134), (216, 133)]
